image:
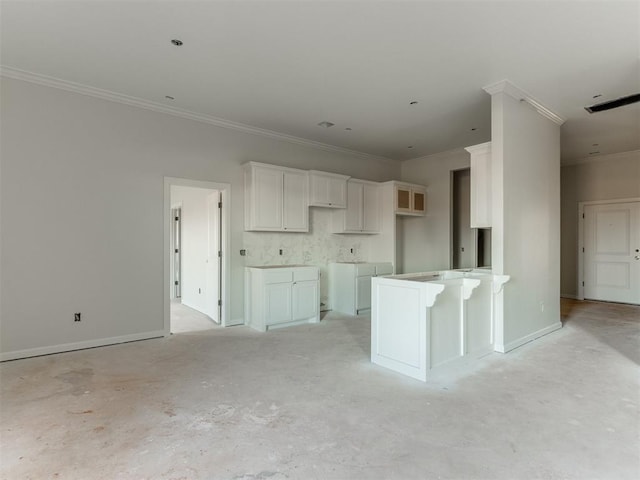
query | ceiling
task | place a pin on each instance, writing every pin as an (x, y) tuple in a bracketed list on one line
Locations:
[(285, 66)]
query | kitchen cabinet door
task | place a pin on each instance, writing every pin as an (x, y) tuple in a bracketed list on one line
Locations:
[(370, 208), (276, 198), (295, 202), (327, 189), (362, 214), (267, 200), (410, 199), (353, 215), (480, 157), (305, 299), (363, 293), (278, 303)]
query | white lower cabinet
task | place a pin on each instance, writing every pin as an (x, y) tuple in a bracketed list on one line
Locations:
[(350, 285), (278, 296)]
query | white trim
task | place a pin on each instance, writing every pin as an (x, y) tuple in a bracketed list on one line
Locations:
[(447, 153), (67, 347), (479, 149), (528, 338), (606, 157), (225, 191), (581, 206), (17, 74), (505, 86)]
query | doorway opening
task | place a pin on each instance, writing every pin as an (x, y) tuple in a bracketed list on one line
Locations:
[(196, 264), (470, 247), (463, 237)]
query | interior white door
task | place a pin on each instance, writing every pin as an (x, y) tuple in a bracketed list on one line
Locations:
[(612, 252), (213, 270)]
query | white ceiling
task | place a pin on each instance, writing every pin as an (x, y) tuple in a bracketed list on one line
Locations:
[(285, 66)]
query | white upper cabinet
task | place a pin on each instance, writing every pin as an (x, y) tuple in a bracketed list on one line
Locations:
[(296, 202), (409, 199), (327, 189), (362, 214), (276, 198), (480, 185)]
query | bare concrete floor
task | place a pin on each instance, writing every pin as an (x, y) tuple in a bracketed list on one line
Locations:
[(306, 403)]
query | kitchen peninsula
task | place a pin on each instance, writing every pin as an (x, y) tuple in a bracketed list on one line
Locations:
[(424, 321)]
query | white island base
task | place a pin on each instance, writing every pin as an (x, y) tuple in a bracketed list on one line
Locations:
[(424, 321)]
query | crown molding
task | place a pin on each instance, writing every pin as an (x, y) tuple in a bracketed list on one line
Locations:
[(607, 157), (45, 80), (479, 149), (454, 152), (505, 86)]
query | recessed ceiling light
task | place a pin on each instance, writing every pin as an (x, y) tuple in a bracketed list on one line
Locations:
[(169, 97), (598, 95), (326, 124), (473, 129), (414, 102), (348, 128), (595, 145), (593, 153), (176, 42), (410, 146)]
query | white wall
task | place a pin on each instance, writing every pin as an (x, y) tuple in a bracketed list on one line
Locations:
[(82, 210), (194, 244), (426, 241), (606, 177), (526, 219)]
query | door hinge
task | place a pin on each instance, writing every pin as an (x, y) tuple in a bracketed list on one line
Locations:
[(176, 282), (177, 219), (583, 215), (582, 249), (219, 303), (583, 284), (176, 251), (219, 204), (219, 253)]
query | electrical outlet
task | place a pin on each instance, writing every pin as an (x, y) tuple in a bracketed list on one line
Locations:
[(77, 317), (199, 290), (280, 251)]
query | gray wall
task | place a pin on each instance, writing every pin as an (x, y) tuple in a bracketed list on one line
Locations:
[(426, 241), (607, 177), (81, 217), (526, 219)]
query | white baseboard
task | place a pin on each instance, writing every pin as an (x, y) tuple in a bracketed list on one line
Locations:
[(235, 321), (67, 347), (569, 295), (528, 338)]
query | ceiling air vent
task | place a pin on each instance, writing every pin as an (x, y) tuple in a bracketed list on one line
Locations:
[(619, 102)]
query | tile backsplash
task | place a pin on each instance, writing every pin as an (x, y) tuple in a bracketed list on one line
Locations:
[(319, 247)]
